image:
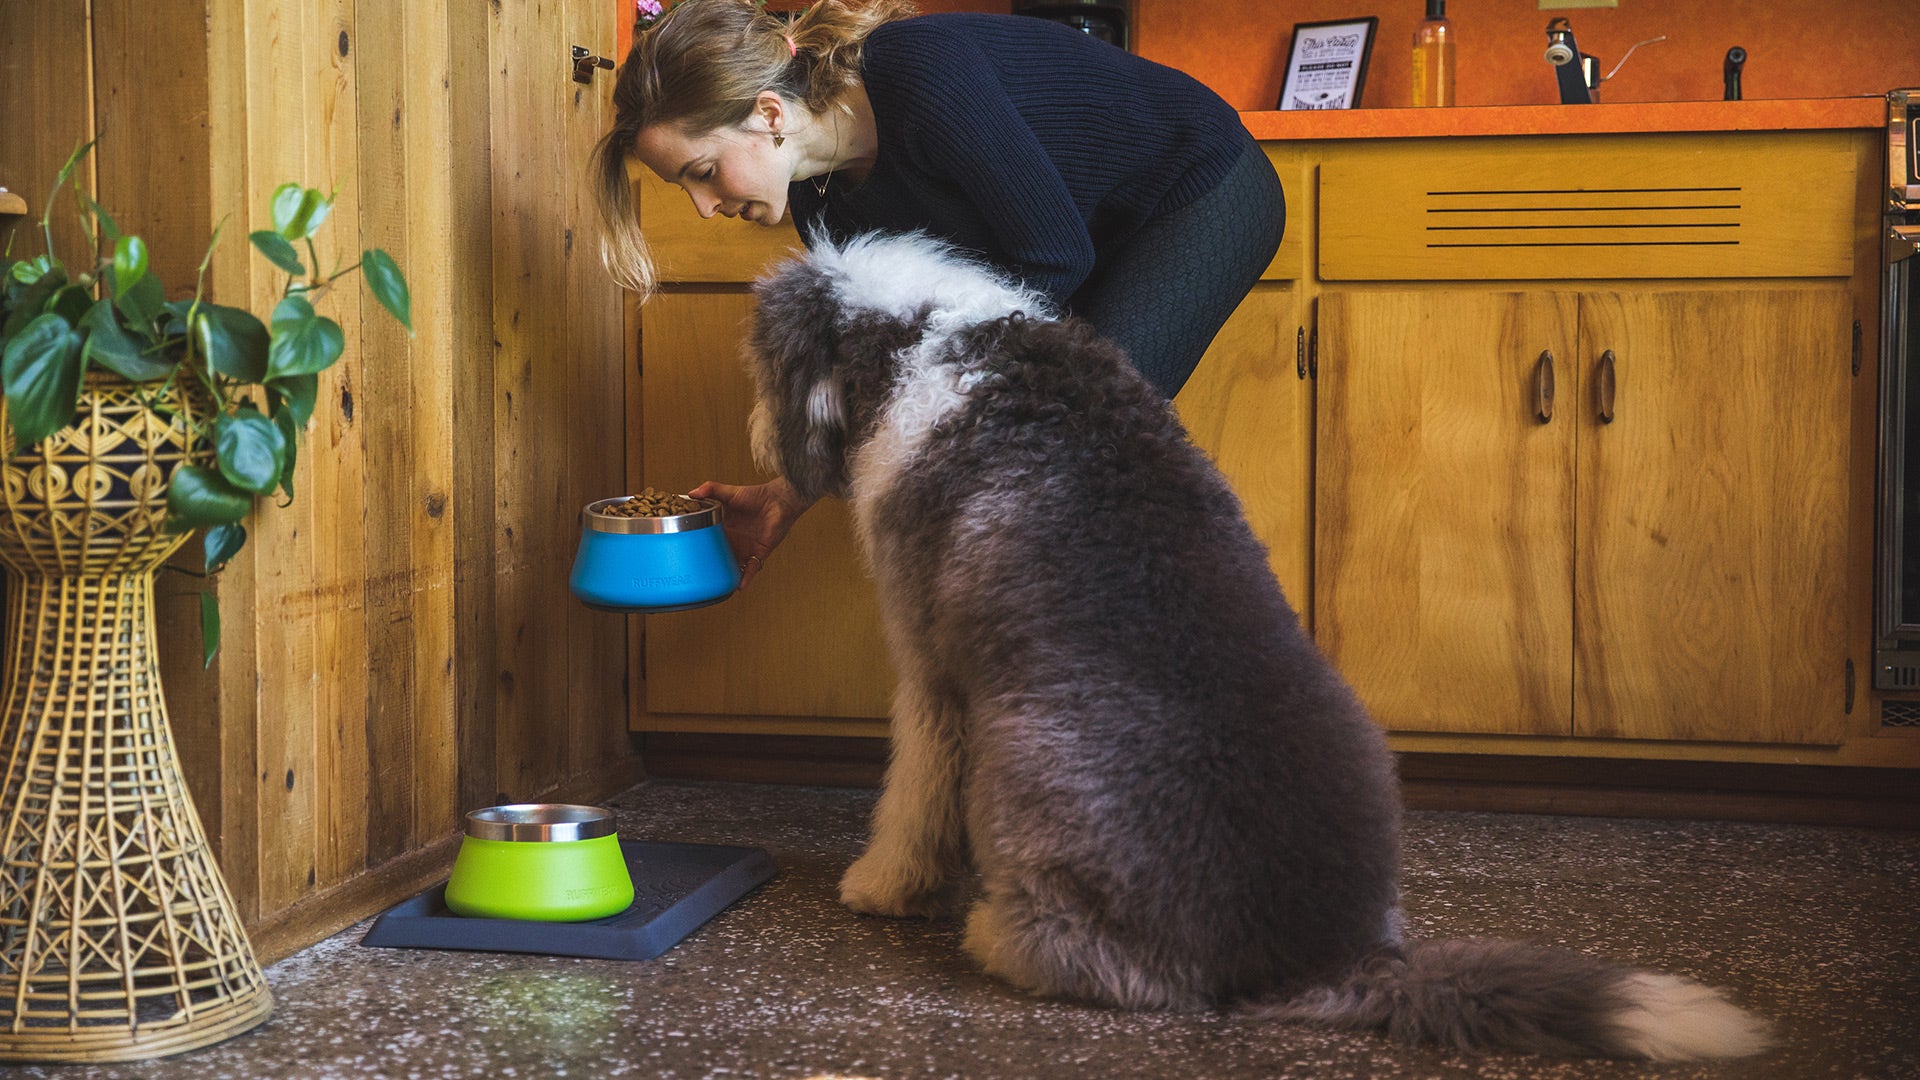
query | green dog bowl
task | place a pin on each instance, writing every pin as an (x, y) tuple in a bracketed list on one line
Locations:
[(548, 862)]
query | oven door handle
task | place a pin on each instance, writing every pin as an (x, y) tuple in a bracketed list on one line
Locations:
[(1903, 242)]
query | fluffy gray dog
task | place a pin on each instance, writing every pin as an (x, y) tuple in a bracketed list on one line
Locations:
[(1105, 705)]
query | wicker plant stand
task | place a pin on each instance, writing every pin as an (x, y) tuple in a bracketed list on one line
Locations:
[(118, 938)]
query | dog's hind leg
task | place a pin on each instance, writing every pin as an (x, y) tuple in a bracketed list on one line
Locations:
[(1055, 950), (919, 836)]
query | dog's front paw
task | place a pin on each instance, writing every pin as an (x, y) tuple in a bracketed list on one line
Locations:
[(877, 886)]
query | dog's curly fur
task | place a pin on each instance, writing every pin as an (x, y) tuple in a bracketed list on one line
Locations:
[(1105, 706)]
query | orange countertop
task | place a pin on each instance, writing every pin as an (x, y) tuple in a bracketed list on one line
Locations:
[(1789, 114)]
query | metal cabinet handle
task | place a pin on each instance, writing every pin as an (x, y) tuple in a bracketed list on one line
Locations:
[(585, 63), (1543, 387), (1603, 388)]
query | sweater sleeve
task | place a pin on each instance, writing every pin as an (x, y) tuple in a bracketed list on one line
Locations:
[(963, 128)]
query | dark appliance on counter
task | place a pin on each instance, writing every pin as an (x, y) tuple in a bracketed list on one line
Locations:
[(1897, 592), (1577, 73), (1103, 19)]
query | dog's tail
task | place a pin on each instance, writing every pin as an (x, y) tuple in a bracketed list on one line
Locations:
[(1483, 995)]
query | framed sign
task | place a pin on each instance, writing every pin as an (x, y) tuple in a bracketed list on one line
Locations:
[(1327, 64)]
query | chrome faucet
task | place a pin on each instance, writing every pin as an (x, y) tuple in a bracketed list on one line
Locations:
[(1579, 73)]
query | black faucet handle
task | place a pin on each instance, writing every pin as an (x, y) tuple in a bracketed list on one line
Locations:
[(1736, 59)]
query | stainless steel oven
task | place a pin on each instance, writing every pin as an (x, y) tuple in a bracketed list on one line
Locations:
[(1897, 599)]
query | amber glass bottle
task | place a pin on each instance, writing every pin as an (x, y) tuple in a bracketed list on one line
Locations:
[(1433, 57)]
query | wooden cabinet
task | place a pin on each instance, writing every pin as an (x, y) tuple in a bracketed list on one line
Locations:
[(1444, 581), (804, 641), (1250, 406), (1486, 565), (1712, 517)]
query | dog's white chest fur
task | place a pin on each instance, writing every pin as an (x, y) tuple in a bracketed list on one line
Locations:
[(930, 388)]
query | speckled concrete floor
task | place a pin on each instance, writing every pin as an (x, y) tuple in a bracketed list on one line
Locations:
[(1818, 928)]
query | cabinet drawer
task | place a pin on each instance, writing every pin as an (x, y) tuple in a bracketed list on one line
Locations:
[(1635, 206)]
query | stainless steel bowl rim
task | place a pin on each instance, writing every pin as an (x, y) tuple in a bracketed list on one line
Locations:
[(596, 519), (539, 822)]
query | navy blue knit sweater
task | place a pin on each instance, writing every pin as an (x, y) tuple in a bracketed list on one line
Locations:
[(1026, 142)]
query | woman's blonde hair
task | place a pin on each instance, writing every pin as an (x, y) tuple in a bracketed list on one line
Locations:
[(702, 67)]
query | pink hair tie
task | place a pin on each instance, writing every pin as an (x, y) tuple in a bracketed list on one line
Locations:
[(792, 49)]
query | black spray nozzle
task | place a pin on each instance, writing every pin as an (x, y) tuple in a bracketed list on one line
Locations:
[(1736, 59)]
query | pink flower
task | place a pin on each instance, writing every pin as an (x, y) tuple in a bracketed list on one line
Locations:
[(646, 10)]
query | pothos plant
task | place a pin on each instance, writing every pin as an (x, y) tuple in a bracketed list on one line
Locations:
[(111, 312)]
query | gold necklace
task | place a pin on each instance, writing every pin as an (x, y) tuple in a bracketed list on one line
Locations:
[(820, 185)]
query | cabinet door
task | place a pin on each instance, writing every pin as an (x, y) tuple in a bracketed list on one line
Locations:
[(804, 640), (1250, 408), (1444, 532), (1713, 517)]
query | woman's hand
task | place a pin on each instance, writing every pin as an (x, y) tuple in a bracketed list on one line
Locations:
[(757, 518)]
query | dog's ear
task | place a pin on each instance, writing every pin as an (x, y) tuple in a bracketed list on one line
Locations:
[(800, 418)]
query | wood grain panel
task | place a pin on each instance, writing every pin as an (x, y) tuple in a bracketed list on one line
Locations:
[(345, 563), (535, 517), (227, 696), (691, 249), (421, 227), (805, 639), (1250, 407), (1443, 559), (1741, 206), (279, 79), (1713, 517), (47, 84), (596, 422), (158, 186), (472, 512)]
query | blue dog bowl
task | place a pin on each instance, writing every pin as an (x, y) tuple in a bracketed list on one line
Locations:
[(652, 564)]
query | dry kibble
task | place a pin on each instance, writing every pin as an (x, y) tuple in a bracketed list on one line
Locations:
[(652, 503)]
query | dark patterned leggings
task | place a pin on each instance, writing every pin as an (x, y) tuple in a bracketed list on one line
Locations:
[(1166, 292)]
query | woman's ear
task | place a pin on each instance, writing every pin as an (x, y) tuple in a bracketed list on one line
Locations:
[(773, 111)]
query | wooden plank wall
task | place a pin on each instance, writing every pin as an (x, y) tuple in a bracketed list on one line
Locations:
[(400, 646)]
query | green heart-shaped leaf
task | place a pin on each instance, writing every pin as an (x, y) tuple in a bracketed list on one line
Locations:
[(142, 304), (303, 343), (32, 303), (278, 251), (129, 262), (199, 496), (250, 450), (292, 431), (286, 207), (209, 628), (116, 350), (297, 213), (295, 394), (235, 341), (222, 543), (388, 285), (42, 369)]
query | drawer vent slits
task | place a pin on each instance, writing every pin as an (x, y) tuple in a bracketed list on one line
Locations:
[(1558, 217)]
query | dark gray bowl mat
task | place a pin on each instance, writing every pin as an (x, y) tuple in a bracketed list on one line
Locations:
[(676, 889)]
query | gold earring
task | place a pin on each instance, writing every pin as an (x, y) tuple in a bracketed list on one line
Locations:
[(778, 139)]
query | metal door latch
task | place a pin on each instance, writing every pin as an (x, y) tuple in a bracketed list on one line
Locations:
[(584, 62)]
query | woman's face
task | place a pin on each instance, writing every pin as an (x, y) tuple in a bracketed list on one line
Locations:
[(735, 172)]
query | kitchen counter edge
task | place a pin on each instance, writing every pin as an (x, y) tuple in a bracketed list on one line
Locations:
[(1779, 114)]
